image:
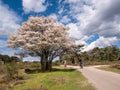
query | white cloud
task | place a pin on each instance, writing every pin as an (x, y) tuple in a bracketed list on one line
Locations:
[(54, 16), (101, 42), (100, 17), (82, 41), (85, 18), (34, 6), (73, 31), (73, 1), (31, 59), (8, 25), (8, 21), (97, 19), (106, 18), (65, 19)]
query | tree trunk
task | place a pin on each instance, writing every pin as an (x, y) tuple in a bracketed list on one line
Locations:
[(43, 65), (46, 65), (50, 65)]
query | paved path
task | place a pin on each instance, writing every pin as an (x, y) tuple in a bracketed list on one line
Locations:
[(102, 80)]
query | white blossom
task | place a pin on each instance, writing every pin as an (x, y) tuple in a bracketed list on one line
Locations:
[(40, 33)]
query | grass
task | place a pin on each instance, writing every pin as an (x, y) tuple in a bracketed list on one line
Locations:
[(58, 79), (109, 68)]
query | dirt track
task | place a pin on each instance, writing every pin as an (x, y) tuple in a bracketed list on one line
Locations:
[(102, 80)]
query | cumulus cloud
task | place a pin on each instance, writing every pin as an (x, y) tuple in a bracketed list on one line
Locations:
[(31, 59), (107, 20), (101, 42), (65, 19), (73, 1), (34, 6), (73, 31), (54, 16), (100, 17), (82, 41), (8, 22)]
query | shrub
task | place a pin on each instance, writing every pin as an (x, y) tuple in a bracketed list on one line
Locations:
[(26, 65), (116, 66), (28, 70), (56, 63), (35, 65), (12, 70), (4, 87), (2, 69)]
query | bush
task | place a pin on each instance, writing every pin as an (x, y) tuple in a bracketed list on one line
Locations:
[(28, 70), (56, 63), (35, 65), (4, 87), (26, 65), (12, 70), (2, 69), (116, 66)]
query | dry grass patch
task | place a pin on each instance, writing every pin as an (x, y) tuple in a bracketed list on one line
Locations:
[(109, 68)]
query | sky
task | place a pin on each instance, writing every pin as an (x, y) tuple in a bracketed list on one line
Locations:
[(94, 23)]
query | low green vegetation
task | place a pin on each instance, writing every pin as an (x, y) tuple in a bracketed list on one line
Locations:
[(110, 68), (18, 75), (58, 79), (28, 76)]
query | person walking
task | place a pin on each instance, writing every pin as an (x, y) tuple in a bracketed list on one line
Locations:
[(65, 63)]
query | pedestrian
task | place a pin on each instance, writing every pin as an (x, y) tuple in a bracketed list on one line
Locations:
[(81, 62), (65, 63)]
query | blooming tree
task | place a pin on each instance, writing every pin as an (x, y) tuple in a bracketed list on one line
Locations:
[(43, 37)]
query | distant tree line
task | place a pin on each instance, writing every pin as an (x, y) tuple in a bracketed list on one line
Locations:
[(110, 53), (8, 59)]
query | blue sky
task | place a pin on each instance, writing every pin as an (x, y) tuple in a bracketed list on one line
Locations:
[(94, 23)]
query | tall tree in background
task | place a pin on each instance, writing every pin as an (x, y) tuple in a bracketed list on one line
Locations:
[(109, 53), (72, 55), (43, 37), (76, 51)]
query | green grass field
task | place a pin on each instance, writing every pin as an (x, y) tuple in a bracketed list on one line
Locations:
[(58, 79), (109, 68)]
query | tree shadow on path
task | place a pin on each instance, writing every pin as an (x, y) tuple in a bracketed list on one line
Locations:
[(34, 71), (63, 70)]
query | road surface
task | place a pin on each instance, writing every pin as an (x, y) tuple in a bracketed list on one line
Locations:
[(102, 80)]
